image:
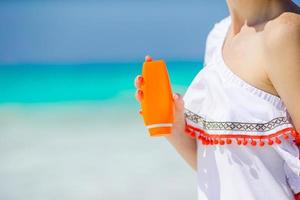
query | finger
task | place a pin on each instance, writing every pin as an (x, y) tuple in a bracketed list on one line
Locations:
[(138, 81), (139, 95), (179, 120)]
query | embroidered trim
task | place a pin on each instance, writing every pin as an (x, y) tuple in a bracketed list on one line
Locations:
[(240, 139), (235, 126), (261, 140)]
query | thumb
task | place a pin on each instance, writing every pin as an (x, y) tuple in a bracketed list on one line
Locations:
[(178, 102)]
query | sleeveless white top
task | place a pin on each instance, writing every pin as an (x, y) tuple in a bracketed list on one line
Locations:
[(245, 137)]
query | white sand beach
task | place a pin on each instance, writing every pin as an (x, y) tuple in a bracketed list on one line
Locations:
[(81, 151)]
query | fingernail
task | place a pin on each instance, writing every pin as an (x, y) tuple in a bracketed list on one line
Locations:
[(176, 96), (140, 79), (140, 93), (148, 58)]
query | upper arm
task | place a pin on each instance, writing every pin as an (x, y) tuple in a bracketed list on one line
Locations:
[(282, 61)]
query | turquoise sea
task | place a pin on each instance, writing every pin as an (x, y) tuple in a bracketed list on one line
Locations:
[(73, 132), (53, 83)]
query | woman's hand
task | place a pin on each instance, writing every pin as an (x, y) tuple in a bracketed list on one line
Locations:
[(184, 145), (179, 120)]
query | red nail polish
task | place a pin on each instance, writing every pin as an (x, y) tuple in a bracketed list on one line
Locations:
[(140, 93), (148, 58), (140, 79)]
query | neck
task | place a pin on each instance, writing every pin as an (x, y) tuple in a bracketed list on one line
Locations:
[(254, 12)]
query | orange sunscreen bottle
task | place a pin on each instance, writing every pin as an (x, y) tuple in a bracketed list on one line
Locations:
[(157, 100)]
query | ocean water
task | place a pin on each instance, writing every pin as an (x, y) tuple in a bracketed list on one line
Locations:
[(37, 83), (74, 132)]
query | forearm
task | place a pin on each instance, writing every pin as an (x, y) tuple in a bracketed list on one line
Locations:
[(185, 146)]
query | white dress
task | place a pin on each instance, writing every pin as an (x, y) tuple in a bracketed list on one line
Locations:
[(245, 137)]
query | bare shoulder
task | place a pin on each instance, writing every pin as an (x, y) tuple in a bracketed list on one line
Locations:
[(283, 30), (281, 59)]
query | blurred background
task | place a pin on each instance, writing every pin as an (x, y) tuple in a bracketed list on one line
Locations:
[(69, 122)]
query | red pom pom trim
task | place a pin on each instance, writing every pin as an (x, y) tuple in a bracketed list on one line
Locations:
[(241, 139)]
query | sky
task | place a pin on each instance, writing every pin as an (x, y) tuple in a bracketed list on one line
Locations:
[(80, 31)]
